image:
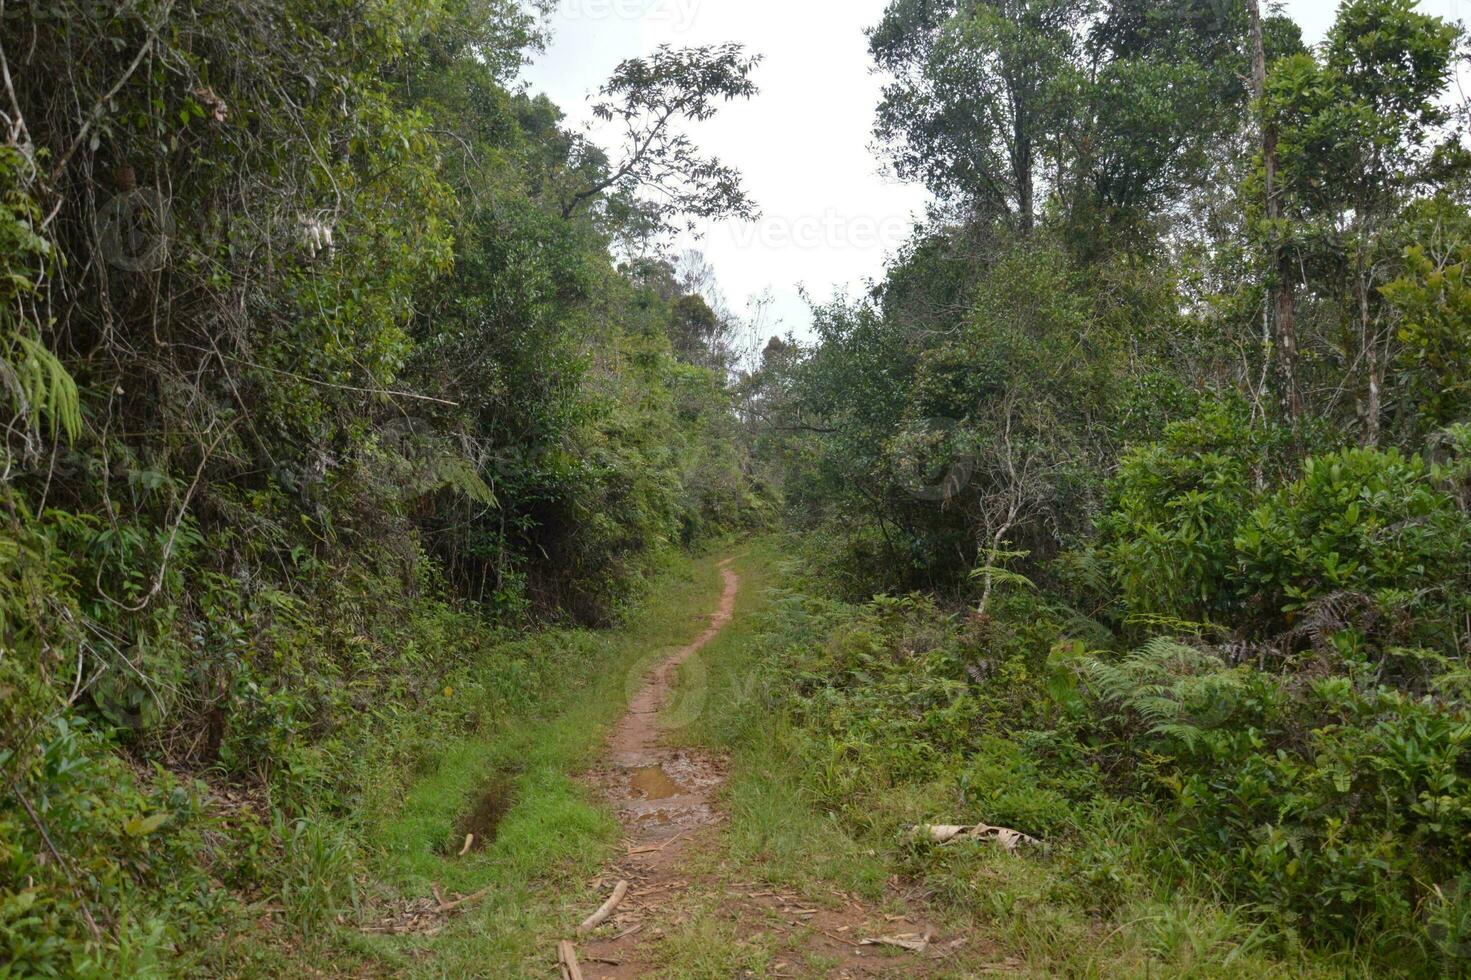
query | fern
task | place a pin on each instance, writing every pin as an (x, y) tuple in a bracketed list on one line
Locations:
[(1171, 690), (41, 387), (459, 475)]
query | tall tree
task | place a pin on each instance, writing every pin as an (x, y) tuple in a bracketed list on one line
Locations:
[(1163, 104), (1363, 132), (659, 166), (1284, 303), (971, 101)]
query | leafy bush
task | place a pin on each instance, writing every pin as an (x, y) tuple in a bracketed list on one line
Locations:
[(905, 714), (1173, 508), (1317, 791), (1364, 522), (1433, 303), (1338, 804), (98, 867)]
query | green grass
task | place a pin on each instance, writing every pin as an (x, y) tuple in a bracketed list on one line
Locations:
[(554, 836), (1025, 911)]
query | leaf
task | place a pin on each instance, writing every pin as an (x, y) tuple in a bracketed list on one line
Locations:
[(143, 826)]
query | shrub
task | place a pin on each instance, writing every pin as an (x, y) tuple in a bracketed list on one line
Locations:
[(1338, 805), (1173, 510), (1366, 522)]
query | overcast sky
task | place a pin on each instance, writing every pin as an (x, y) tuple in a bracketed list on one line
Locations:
[(830, 217)]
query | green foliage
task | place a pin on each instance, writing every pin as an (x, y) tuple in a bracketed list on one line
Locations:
[(661, 177), (1092, 398), (973, 97), (88, 841), (933, 446), (321, 379), (1433, 304), (1121, 100), (1173, 510), (313, 386), (1361, 133), (1327, 805), (1361, 522), (1336, 804), (36, 384)]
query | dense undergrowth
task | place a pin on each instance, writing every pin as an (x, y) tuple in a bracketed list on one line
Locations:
[(1200, 815), (1293, 752), (329, 362), (1149, 445)]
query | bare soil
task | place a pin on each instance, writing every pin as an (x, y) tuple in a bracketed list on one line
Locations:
[(480, 824)]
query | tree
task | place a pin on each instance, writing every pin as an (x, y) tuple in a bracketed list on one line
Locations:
[(1162, 101), (971, 103), (1284, 309), (660, 168), (693, 329), (1432, 303), (1362, 134), (1111, 107)]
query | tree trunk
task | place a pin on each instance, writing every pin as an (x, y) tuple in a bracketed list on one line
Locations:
[(1025, 204), (1284, 300), (990, 576), (1373, 363)]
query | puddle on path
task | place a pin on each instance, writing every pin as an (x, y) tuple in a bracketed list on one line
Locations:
[(653, 783)]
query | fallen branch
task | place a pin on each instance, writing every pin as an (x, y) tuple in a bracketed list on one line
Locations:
[(403, 929), (902, 942), (948, 833), (605, 910), (469, 840), (654, 848), (466, 900), (567, 960), (66, 866)]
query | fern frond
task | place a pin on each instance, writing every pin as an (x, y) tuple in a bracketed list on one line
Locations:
[(42, 388), (459, 474), (1171, 690)]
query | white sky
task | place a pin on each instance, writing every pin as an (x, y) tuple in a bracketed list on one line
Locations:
[(830, 219)]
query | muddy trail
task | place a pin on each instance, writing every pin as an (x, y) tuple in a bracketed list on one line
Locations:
[(667, 800)]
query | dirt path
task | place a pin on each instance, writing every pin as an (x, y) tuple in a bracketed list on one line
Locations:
[(666, 800), (662, 795)]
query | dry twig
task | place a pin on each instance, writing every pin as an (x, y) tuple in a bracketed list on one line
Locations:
[(605, 910)]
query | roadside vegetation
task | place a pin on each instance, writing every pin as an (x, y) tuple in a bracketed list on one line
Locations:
[(361, 435), (322, 396), (1161, 484)]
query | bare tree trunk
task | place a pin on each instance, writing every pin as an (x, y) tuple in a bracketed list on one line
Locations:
[(990, 574), (1008, 517), (1373, 363), (1284, 300), (1022, 165)]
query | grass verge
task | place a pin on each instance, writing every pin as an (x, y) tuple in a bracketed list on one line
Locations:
[(550, 835), (1022, 915)]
